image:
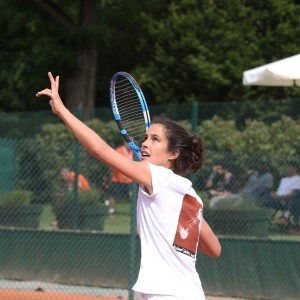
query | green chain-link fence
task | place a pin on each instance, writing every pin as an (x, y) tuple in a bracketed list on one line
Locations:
[(57, 235)]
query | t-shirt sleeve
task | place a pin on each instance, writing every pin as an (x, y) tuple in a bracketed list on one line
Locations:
[(160, 177), (163, 179)]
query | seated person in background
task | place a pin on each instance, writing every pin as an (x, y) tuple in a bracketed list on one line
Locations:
[(259, 183), (280, 198), (220, 183), (294, 207), (255, 186), (69, 177)]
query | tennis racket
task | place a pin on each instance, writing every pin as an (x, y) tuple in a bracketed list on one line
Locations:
[(130, 110)]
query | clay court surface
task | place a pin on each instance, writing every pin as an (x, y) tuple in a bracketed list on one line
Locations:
[(36, 290), (41, 295)]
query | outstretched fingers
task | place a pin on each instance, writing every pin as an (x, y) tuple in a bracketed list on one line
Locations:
[(45, 92), (54, 87), (55, 101), (57, 82), (54, 82)]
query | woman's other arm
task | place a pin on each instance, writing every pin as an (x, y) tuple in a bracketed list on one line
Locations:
[(208, 242)]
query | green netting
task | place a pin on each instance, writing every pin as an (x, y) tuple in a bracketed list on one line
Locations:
[(51, 232), (8, 165)]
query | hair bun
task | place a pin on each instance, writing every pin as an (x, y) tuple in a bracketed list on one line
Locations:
[(198, 156)]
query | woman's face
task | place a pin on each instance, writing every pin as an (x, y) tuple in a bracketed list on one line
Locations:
[(155, 147)]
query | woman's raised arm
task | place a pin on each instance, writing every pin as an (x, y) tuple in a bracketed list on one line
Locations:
[(91, 141)]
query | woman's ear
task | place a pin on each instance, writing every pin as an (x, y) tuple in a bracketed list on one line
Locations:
[(174, 155)]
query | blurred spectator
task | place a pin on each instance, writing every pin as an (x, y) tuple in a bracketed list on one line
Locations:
[(294, 207), (220, 183), (69, 177), (104, 185), (279, 200), (69, 180), (259, 183), (255, 185), (121, 185)]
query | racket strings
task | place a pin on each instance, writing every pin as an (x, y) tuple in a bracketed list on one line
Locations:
[(130, 110), (124, 91)]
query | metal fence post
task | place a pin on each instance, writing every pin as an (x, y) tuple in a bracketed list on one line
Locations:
[(132, 240), (76, 170), (194, 115)]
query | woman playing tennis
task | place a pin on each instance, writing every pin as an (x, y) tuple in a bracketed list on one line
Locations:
[(169, 212)]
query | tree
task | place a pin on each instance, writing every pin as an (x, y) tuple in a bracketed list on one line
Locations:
[(200, 48), (179, 51), (81, 77), (61, 37), (70, 39)]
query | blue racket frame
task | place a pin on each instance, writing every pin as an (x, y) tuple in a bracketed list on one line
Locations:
[(116, 113)]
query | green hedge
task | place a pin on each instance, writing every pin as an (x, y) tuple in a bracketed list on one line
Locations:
[(18, 197), (280, 138), (55, 147)]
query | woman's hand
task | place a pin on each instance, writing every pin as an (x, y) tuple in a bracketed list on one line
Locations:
[(55, 101)]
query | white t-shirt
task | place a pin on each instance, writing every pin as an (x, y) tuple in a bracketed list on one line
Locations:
[(288, 184), (169, 224)]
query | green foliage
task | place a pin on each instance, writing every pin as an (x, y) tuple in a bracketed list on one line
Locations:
[(91, 197), (204, 197), (109, 130), (55, 148), (178, 50), (32, 50), (244, 147), (238, 204), (17, 197), (221, 135), (285, 133), (211, 43), (256, 137), (279, 138), (57, 132), (60, 132)]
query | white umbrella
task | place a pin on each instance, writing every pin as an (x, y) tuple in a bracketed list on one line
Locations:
[(284, 72)]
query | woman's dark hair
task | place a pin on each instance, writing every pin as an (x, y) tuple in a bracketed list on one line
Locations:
[(190, 147)]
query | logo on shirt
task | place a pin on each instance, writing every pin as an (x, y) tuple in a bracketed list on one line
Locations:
[(184, 251), (188, 227)]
